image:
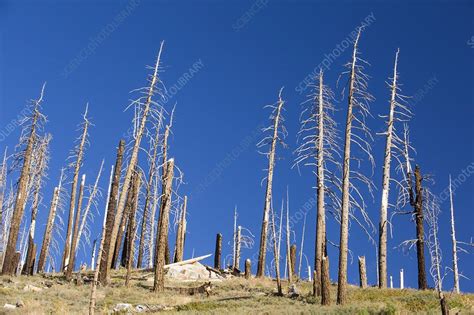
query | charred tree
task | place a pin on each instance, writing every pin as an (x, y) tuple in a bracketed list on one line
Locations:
[(131, 231), (325, 282), (420, 244), (218, 252)]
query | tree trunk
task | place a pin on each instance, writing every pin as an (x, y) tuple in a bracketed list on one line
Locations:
[(237, 248), (70, 262), (288, 247), (49, 229), (218, 252), (3, 177), (276, 253), (80, 153), (268, 194), (132, 227), (344, 235), (293, 261), (300, 263), (248, 270), (454, 242), (180, 235), (362, 273), (9, 268), (159, 283), (386, 184), (325, 282), (134, 155), (420, 244), (105, 262)]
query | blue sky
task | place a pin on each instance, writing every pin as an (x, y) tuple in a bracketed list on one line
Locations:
[(243, 52)]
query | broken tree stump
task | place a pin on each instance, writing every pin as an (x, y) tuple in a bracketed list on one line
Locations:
[(248, 271), (217, 255), (293, 260)]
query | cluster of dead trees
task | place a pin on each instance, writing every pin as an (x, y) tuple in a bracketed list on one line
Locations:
[(137, 193), (339, 182)]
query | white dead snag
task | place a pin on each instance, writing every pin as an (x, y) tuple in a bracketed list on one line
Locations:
[(136, 147), (152, 237), (357, 111), (40, 165), (319, 148), (182, 231), (93, 254), (276, 253), (90, 202), (70, 261), (237, 248), (29, 136), (288, 247), (362, 273), (3, 180), (402, 280), (278, 134), (49, 226), (108, 246), (453, 239), (159, 282), (78, 153), (391, 282), (234, 244), (301, 248)]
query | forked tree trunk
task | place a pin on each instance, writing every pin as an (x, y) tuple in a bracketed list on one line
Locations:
[(132, 227), (9, 268), (105, 262), (159, 282), (268, 194), (362, 273), (218, 252), (70, 262), (454, 242), (134, 155), (386, 184), (325, 282), (344, 235), (80, 153), (420, 244)]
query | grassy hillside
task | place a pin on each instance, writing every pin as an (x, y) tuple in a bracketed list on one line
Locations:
[(42, 295)]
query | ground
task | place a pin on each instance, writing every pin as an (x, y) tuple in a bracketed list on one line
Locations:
[(236, 295)]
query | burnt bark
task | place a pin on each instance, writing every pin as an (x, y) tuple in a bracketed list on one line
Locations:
[(131, 231), (325, 282), (48, 231), (218, 251), (293, 261), (420, 244)]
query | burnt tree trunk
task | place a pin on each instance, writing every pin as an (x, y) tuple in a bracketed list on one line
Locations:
[(105, 263), (218, 252), (325, 282), (49, 229), (132, 227), (362, 273), (159, 282), (420, 244), (293, 261)]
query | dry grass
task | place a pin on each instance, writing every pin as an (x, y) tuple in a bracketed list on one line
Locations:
[(231, 296)]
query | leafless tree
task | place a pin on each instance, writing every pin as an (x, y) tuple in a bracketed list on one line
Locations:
[(276, 254), (31, 125), (277, 134), (131, 231), (3, 181), (454, 242), (181, 232)]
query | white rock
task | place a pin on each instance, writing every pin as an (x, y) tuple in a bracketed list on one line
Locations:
[(9, 306)]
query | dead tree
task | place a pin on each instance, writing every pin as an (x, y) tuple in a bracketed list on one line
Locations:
[(357, 111), (293, 261), (278, 132), (180, 234), (3, 180), (319, 148), (288, 248), (325, 282), (276, 254), (78, 154), (132, 227), (145, 103), (160, 247), (218, 252), (49, 226), (105, 262), (300, 263), (237, 248), (362, 273), (454, 242), (420, 244), (40, 165), (70, 261), (28, 137), (248, 270)]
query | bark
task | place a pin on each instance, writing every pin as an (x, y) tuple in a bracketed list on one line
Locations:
[(248, 271), (145, 217), (105, 262), (80, 153), (159, 283), (268, 193), (218, 252), (344, 234), (362, 273), (132, 228), (49, 229), (70, 262), (454, 242), (321, 215), (293, 261), (386, 184), (325, 282), (237, 248), (420, 244), (9, 268), (134, 156)]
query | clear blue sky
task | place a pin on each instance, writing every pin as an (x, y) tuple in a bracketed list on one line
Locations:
[(248, 50)]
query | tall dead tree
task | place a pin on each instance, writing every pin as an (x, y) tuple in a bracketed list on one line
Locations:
[(40, 165), (454, 242), (357, 111), (181, 232), (319, 147), (105, 262), (277, 255), (362, 273), (78, 154), (132, 226), (49, 226), (145, 103), (70, 261), (160, 246), (218, 251), (29, 137), (288, 247), (3, 180), (278, 133), (420, 244)]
